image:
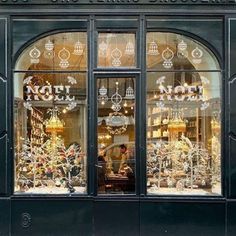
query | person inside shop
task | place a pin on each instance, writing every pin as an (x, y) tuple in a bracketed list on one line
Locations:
[(101, 172), (126, 167), (124, 158)]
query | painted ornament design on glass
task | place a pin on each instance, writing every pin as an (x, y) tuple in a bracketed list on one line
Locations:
[(182, 50), (116, 55), (129, 94), (129, 50), (34, 55), (167, 56), (153, 49), (197, 54), (64, 56), (103, 49), (49, 52), (78, 48), (102, 97)]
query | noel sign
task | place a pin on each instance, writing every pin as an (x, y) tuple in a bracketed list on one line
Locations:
[(182, 92), (49, 92)]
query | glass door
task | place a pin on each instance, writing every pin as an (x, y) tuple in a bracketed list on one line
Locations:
[(116, 159)]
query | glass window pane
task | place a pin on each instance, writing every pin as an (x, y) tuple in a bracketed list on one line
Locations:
[(50, 115), (170, 51), (116, 135), (184, 133), (63, 51), (116, 50)]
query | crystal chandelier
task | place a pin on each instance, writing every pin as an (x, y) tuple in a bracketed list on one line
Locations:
[(215, 126), (176, 124), (54, 124)]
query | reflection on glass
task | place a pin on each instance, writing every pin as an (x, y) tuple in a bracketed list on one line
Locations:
[(184, 133), (116, 135), (50, 113), (170, 51), (116, 50), (63, 51)]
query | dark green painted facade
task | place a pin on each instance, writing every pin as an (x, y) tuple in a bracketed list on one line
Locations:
[(211, 22)]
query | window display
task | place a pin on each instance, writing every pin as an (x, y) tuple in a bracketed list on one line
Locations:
[(116, 136), (183, 119), (50, 115)]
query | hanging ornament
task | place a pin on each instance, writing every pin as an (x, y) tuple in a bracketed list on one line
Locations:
[(64, 55), (116, 100), (182, 45), (182, 54), (49, 45), (182, 50), (102, 97), (197, 54), (78, 48), (116, 123), (103, 91), (116, 54), (129, 93), (167, 56), (34, 54), (49, 54), (103, 49), (153, 49), (129, 50)]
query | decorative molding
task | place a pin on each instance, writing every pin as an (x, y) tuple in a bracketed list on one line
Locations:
[(26, 220), (119, 2)]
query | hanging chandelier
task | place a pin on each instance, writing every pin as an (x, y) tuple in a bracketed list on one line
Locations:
[(215, 126), (54, 124), (176, 124)]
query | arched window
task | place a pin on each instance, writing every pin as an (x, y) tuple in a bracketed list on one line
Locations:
[(183, 116), (50, 110)]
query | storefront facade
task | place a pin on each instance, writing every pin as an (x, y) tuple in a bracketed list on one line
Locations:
[(117, 117)]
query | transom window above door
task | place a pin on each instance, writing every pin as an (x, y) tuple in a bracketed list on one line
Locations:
[(116, 50)]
